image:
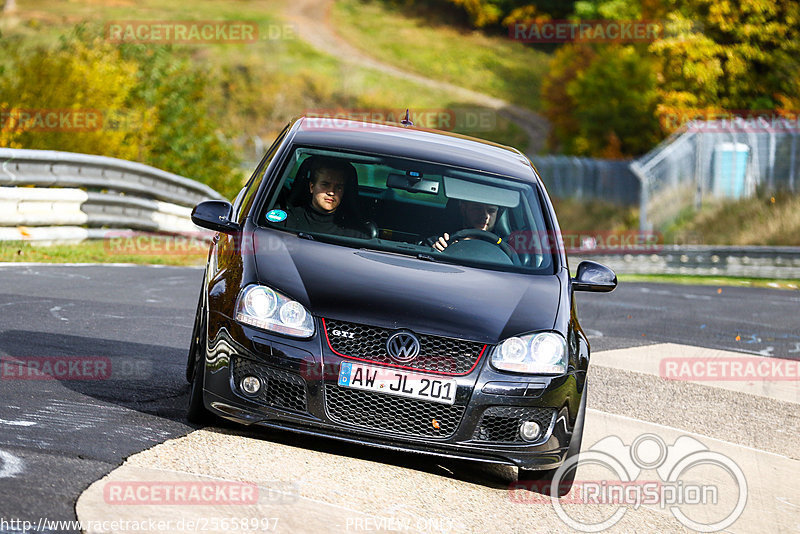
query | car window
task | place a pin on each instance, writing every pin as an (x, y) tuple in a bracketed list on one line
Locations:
[(405, 206), (245, 197)]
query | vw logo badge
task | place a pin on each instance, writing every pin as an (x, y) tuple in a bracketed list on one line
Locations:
[(403, 347)]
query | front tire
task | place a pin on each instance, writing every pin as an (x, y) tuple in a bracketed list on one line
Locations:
[(196, 411), (543, 478), (197, 334)]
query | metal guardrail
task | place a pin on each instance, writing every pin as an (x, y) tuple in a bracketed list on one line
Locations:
[(42, 192), (748, 262)]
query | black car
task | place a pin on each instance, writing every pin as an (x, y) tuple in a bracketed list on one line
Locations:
[(340, 313)]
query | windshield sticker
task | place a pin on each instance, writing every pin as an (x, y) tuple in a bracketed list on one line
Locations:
[(276, 216)]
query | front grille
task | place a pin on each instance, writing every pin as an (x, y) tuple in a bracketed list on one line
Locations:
[(391, 413), (501, 423), (280, 389), (438, 354)]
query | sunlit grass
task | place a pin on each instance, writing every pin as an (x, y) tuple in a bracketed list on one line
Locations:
[(494, 65), (156, 251)]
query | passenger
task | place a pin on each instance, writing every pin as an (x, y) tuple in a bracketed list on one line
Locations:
[(474, 215), (323, 212)]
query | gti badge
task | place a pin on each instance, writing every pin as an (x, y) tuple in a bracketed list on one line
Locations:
[(342, 333), (403, 347)]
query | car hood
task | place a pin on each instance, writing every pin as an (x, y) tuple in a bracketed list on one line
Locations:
[(397, 291)]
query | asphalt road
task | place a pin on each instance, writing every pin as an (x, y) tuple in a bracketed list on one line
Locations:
[(59, 436)]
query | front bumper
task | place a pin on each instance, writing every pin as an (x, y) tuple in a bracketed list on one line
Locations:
[(301, 395)]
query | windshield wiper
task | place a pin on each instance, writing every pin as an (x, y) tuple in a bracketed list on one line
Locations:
[(303, 235), (426, 257)]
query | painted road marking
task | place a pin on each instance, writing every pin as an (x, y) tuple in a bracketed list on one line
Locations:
[(10, 465)]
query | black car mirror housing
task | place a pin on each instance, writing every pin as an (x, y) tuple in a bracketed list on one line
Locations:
[(215, 215), (592, 276)]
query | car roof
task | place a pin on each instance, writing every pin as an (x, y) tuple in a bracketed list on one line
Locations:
[(412, 142)]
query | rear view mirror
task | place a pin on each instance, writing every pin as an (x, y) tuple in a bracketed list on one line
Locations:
[(214, 215), (592, 276), (412, 183)]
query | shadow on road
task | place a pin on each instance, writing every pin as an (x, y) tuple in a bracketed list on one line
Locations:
[(151, 379)]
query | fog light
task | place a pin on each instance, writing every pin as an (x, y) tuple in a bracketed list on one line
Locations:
[(529, 430), (250, 385)]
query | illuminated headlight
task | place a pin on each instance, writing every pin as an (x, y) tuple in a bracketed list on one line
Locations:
[(263, 307), (543, 353)]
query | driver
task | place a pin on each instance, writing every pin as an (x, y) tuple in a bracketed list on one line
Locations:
[(474, 215)]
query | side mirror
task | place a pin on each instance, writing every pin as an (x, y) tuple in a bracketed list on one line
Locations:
[(215, 215), (592, 276)]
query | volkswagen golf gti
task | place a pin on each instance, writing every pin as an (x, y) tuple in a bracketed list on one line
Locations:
[(396, 287)]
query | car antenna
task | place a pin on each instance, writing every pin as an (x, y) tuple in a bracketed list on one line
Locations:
[(407, 120)]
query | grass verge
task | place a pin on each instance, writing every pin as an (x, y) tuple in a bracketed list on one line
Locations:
[(770, 221), (152, 251), (790, 284)]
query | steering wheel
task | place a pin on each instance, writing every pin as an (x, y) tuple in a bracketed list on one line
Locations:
[(483, 235)]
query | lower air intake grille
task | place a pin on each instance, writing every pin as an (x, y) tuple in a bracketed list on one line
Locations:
[(391, 413), (500, 424), (280, 389)]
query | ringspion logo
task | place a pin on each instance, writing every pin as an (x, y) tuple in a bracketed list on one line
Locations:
[(704, 490)]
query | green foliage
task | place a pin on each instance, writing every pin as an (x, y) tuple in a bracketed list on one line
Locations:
[(150, 102), (607, 10), (713, 56), (735, 55), (184, 138), (567, 64), (78, 76), (615, 104), (496, 14)]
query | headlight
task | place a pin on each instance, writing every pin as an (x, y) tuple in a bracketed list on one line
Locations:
[(265, 308), (543, 353)]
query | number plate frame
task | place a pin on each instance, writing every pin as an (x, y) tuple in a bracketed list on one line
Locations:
[(393, 381)]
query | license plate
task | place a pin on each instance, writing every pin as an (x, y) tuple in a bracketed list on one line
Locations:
[(397, 382)]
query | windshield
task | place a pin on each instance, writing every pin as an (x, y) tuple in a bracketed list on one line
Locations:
[(431, 211)]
